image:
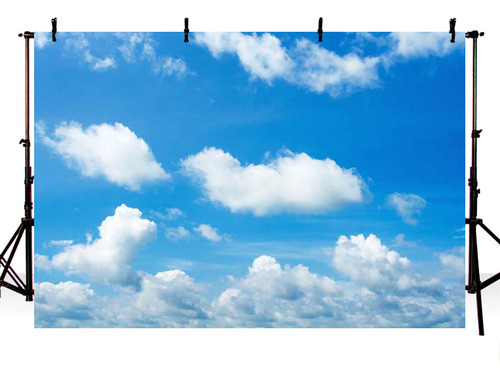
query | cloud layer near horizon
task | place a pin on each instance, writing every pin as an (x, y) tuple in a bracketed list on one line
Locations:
[(370, 286)]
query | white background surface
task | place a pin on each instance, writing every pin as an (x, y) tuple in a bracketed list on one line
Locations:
[(260, 353)]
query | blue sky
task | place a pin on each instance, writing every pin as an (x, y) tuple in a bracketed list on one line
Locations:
[(249, 180)]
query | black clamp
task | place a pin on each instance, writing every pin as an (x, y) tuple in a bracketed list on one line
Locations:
[(27, 35), (453, 21), (54, 29), (320, 29), (186, 30), (28, 222), (471, 289), (473, 221), (30, 180), (26, 143), (476, 134), (474, 34)]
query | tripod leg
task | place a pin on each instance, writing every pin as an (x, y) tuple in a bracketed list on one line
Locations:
[(29, 264), (476, 280), (11, 256), (479, 312), (10, 241)]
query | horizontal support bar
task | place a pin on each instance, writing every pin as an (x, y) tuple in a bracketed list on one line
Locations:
[(490, 281), (489, 232), (13, 287)]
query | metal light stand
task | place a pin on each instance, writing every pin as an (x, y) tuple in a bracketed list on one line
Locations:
[(27, 222), (475, 285)]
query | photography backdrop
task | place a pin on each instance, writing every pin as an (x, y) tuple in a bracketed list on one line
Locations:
[(249, 180)]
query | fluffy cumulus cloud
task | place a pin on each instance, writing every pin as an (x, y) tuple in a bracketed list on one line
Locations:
[(208, 232), (408, 206), (104, 150), (109, 258), (261, 56), (387, 291), (272, 295), (322, 70), (376, 287), (309, 65), (167, 299), (290, 183), (66, 304), (368, 262)]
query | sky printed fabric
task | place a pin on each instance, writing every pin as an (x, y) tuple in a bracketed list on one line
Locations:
[(249, 180)]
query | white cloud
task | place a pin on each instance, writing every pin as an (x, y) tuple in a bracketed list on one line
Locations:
[(130, 43), (78, 42), (167, 299), (368, 262), (208, 232), (290, 183), (453, 263), (310, 65), (387, 290), (57, 243), (42, 39), (66, 304), (261, 56), (383, 291), (110, 151), (42, 262), (400, 241), (175, 234), (173, 213), (422, 45), (169, 214), (322, 70), (270, 295), (109, 258), (163, 65), (406, 205)]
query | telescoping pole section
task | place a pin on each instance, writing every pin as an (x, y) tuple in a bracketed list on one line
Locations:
[(28, 181)]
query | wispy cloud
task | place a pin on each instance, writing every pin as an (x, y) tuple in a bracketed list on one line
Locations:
[(408, 206), (400, 241), (176, 233), (79, 43), (130, 48), (309, 65), (41, 39)]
